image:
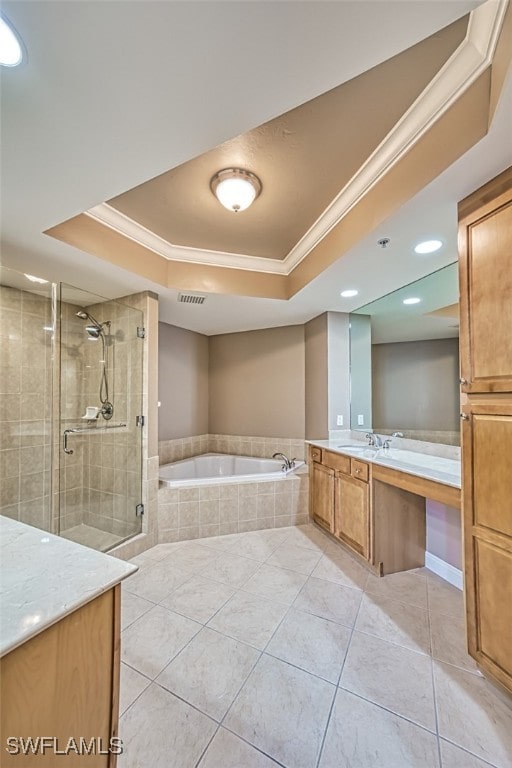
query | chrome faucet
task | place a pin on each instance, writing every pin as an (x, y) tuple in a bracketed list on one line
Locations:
[(288, 463), (374, 439), (387, 442)]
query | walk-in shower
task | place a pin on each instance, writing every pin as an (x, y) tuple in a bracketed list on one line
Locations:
[(71, 400)]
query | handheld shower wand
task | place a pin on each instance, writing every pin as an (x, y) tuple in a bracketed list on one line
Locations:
[(95, 331)]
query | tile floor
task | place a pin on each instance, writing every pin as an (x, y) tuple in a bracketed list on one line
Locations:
[(276, 648)]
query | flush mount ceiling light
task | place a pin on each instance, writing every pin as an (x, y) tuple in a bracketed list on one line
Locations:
[(428, 246), (235, 188), (34, 279), (10, 47), (349, 293), (412, 300)]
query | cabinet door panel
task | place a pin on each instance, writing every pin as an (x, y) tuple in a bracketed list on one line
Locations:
[(485, 272), (322, 495), (487, 506), (492, 476), (494, 604), (352, 513)]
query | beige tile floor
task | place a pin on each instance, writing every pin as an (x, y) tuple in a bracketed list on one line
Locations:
[(276, 648)]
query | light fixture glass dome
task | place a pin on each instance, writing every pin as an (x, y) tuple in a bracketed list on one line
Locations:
[(412, 300), (349, 293), (235, 188), (10, 48)]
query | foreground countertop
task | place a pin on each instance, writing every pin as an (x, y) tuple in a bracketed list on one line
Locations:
[(44, 578), (436, 468)]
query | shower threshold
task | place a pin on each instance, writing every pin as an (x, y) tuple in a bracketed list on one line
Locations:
[(91, 537)]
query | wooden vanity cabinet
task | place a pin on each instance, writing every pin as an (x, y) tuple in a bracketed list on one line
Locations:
[(485, 241), (64, 683), (340, 498)]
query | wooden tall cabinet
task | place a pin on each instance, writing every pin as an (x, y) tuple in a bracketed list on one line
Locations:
[(485, 271)]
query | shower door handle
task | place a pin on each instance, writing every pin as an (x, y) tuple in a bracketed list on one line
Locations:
[(66, 433)]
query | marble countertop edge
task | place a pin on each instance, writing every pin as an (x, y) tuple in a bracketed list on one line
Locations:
[(436, 468), (44, 578)]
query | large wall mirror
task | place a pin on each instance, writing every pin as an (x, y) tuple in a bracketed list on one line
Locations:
[(404, 361)]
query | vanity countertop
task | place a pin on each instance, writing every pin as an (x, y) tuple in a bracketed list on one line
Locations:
[(436, 468), (44, 578)]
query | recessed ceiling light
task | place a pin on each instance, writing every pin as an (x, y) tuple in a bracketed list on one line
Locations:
[(34, 279), (10, 47), (412, 300), (349, 293), (428, 246)]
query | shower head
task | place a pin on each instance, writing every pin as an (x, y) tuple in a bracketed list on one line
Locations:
[(96, 329)]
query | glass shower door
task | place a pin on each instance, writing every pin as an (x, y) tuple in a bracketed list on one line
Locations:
[(100, 439)]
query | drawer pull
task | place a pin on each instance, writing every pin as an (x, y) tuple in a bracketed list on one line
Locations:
[(464, 416), (463, 381), (358, 471)]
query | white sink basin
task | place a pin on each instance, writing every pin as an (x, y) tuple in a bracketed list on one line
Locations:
[(356, 448)]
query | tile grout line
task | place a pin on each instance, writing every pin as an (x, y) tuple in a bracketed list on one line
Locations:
[(438, 738), (336, 689), (468, 752)]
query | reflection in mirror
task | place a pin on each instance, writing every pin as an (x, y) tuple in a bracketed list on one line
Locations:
[(404, 361)]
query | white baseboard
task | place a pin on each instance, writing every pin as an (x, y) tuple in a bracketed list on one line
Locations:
[(444, 570)]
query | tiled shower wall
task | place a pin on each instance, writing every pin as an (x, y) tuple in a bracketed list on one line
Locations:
[(25, 397)]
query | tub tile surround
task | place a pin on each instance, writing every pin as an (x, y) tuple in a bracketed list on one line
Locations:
[(327, 670), (192, 513), (239, 445)]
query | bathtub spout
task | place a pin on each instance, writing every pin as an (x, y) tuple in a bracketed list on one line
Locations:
[(288, 463)]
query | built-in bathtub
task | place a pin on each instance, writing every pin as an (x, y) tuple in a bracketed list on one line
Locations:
[(214, 468)]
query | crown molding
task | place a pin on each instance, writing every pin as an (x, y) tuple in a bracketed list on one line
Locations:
[(473, 56), (110, 217)]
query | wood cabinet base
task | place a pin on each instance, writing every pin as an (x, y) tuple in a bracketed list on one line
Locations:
[(64, 684)]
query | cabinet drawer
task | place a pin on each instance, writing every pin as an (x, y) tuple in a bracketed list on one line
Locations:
[(315, 454), (336, 461), (359, 470)]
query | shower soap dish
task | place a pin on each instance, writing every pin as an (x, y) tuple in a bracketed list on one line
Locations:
[(91, 413)]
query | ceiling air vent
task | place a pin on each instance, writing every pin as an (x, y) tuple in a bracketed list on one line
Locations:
[(191, 298)]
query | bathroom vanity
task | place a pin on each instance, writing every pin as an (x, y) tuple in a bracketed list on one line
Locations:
[(59, 648), (373, 501)]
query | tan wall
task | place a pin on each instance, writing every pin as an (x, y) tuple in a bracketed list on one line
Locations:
[(257, 382), (182, 383), (444, 533), (415, 385), (316, 369)]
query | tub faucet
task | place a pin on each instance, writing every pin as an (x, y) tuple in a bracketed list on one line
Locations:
[(288, 463)]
